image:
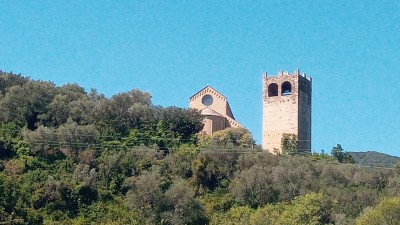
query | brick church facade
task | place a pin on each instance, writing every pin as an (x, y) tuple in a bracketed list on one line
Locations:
[(215, 108)]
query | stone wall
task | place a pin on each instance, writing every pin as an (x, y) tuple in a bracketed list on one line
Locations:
[(213, 124), (304, 133)]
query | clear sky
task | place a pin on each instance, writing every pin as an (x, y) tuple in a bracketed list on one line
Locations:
[(172, 49)]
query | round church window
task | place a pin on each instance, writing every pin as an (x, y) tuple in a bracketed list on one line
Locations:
[(207, 100)]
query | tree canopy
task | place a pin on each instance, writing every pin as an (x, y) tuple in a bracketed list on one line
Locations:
[(72, 157)]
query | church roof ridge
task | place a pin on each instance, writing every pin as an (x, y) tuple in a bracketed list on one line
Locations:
[(231, 120), (208, 86), (207, 111)]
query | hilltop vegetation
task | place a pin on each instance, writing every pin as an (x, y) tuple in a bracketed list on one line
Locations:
[(72, 157), (374, 159)]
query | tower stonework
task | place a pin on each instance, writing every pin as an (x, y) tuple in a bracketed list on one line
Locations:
[(286, 109)]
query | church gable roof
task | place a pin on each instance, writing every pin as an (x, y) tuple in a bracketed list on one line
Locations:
[(208, 87), (208, 90)]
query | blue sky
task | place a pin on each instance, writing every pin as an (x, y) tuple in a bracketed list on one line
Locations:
[(172, 49)]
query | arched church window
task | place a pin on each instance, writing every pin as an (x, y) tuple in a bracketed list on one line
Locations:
[(272, 90), (286, 88)]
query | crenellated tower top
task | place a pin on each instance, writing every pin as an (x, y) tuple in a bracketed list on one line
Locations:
[(286, 73)]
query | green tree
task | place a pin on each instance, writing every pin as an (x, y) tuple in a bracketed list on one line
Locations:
[(340, 155), (289, 144), (308, 209), (235, 216), (8, 80), (109, 170), (184, 123), (140, 115), (12, 218), (58, 112), (25, 104), (42, 141), (72, 92), (254, 187), (77, 138), (9, 138), (147, 197), (387, 212), (235, 137), (9, 193), (182, 206), (83, 111), (268, 215), (293, 177), (204, 177), (216, 202)]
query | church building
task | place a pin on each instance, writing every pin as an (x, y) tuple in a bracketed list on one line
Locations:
[(215, 108)]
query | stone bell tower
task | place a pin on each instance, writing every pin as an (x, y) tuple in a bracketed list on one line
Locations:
[(286, 109)]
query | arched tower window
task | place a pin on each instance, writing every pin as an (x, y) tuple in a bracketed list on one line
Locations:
[(286, 88), (272, 90)]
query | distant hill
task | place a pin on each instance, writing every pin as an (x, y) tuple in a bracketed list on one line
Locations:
[(372, 158)]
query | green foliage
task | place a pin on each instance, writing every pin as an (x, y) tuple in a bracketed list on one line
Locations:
[(387, 212), (235, 216), (375, 159), (110, 212), (183, 123), (204, 178), (42, 140), (230, 137), (340, 155), (181, 205), (254, 187), (6, 218), (216, 202), (8, 192), (321, 156), (289, 144), (71, 157), (71, 137), (24, 104), (298, 180), (58, 112), (9, 139), (146, 196), (308, 209)]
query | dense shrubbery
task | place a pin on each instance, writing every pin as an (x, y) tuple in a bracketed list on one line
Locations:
[(71, 157)]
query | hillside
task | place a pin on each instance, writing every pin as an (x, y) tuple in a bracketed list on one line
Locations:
[(374, 159), (72, 157)]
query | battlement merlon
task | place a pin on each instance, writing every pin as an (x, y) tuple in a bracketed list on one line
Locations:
[(286, 73)]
